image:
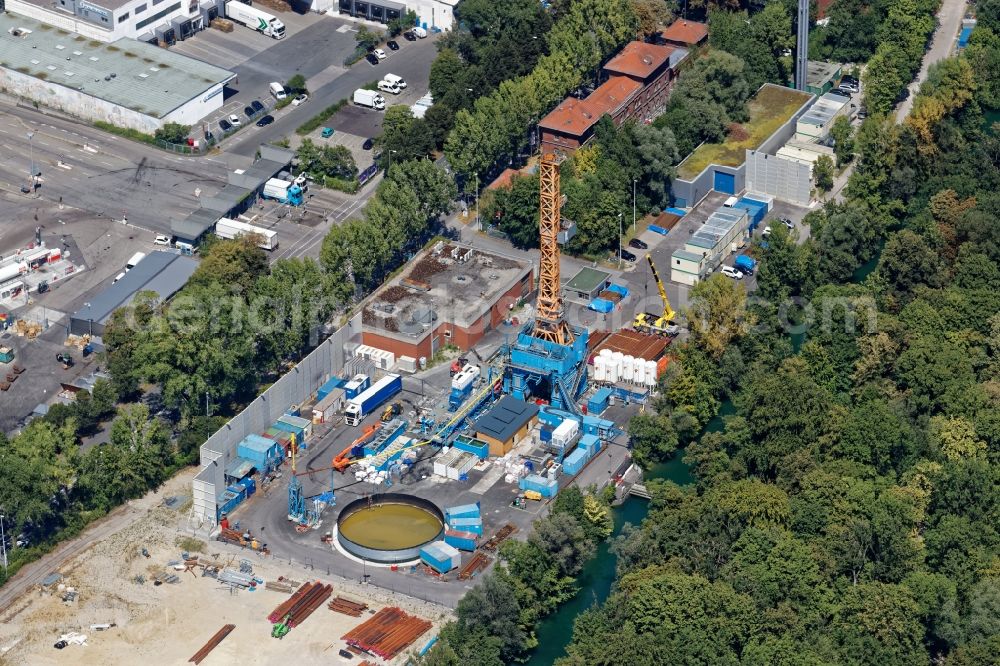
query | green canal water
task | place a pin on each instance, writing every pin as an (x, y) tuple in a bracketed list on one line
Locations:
[(598, 576)]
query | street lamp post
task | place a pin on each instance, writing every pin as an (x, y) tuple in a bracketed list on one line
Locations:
[(633, 204), (90, 318), (620, 217), (479, 223), (389, 165), (31, 163)]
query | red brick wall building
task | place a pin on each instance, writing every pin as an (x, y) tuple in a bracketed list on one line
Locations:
[(640, 78)]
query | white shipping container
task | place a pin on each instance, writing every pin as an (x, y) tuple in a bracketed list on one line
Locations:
[(407, 363)]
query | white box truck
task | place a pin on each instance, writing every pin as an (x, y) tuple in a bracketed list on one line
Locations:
[(255, 19), (267, 239), (369, 98)]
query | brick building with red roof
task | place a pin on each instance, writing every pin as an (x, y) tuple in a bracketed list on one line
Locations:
[(686, 34), (639, 80)]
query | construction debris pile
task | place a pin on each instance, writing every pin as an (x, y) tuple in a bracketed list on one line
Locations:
[(387, 633)]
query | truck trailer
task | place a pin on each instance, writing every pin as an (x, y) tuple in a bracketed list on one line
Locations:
[(284, 191), (374, 397), (255, 19), (267, 239)]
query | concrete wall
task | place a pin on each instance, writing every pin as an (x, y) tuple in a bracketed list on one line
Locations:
[(294, 388), (694, 190), (75, 102), (690, 192), (433, 13), (782, 178)]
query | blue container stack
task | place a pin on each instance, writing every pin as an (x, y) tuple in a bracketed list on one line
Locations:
[(474, 525), (462, 511)]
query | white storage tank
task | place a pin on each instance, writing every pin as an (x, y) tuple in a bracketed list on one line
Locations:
[(651, 373), (618, 357), (606, 353), (628, 368), (600, 371), (612, 371), (639, 371)]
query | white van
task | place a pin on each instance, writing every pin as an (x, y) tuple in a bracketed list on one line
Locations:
[(386, 86), (278, 90), (136, 258), (420, 32), (392, 78)]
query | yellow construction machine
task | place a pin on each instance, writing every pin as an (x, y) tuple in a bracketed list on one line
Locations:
[(657, 324)]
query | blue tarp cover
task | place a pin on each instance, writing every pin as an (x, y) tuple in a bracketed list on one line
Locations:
[(601, 305), (618, 289)]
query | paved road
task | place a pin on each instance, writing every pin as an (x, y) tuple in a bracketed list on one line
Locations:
[(106, 175), (949, 23), (412, 62)]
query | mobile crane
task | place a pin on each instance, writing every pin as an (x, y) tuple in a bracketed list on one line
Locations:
[(661, 324)]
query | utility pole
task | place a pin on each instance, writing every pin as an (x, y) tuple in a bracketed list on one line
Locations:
[(479, 223), (31, 158), (207, 412), (802, 46), (3, 546)]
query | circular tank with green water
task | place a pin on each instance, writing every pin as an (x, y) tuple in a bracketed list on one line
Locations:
[(389, 528)]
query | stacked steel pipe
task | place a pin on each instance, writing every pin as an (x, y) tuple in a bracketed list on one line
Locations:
[(387, 633), (474, 566), (212, 643), (300, 605), (347, 607)]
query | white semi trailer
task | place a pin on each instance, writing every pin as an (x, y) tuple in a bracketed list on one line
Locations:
[(229, 229), (255, 19)]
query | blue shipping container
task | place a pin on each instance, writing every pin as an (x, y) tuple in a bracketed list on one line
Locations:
[(327, 388), (574, 462), (461, 540), (462, 527), (591, 444), (463, 511), (477, 447)]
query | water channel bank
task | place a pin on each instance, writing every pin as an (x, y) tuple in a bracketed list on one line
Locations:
[(598, 576)]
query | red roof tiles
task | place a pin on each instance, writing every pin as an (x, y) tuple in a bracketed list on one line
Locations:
[(574, 116), (639, 59), (685, 32)]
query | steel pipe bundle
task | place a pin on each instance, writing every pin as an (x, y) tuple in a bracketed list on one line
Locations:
[(387, 633)]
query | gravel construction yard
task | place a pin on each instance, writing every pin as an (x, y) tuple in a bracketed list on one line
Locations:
[(167, 624)]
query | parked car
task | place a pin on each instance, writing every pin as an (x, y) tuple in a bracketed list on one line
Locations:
[(380, 54), (257, 106), (731, 272), (299, 99), (368, 144), (249, 111), (638, 244), (371, 59), (628, 256), (393, 45), (234, 120), (787, 222), (224, 125), (409, 36), (849, 86), (842, 93), (161, 240), (265, 121)]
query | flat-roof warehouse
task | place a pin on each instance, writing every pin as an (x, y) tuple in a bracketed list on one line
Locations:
[(127, 83), (162, 272)]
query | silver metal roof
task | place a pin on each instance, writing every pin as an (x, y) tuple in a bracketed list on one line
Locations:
[(823, 109), (718, 224), (132, 74)]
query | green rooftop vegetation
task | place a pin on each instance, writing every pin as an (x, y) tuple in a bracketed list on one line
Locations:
[(769, 109)]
